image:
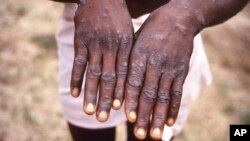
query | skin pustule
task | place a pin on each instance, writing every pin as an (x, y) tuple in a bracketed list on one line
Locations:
[(159, 60), (155, 67), (103, 39)]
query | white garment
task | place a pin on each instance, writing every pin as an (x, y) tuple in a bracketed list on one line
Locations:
[(199, 75)]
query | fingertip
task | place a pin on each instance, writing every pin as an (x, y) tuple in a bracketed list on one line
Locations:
[(89, 109), (75, 92), (132, 116), (103, 116), (170, 121), (156, 133), (116, 104), (140, 133)]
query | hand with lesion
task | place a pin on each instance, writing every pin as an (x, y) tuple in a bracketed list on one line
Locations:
[(103, 41), (158, 67), (159, 61)]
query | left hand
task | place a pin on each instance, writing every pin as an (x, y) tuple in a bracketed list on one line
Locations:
[(103, 41), (161, 55)]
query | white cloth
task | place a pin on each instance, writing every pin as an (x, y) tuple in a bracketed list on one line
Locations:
[(199, 75)]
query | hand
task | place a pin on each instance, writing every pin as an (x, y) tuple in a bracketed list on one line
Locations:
[(103, 40), (158, 67)]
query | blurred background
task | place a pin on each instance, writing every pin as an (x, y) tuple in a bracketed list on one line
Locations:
[(29, 101)]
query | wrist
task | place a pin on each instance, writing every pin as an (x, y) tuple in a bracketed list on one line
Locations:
[(211, 12), (192, 13), (182, 16)]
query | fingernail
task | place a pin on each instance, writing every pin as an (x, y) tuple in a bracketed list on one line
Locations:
[(103, 116), (170, 121), (75, 92), (157, 132), (140, 132), (132, 115), (90, 108), (116, 104)]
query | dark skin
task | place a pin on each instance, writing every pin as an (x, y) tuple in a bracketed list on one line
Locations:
[(159, 60), (105, 42)]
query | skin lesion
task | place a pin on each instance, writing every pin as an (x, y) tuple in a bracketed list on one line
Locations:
[(163, 96), (149, 93), (157, 58), (135, 81), (95, 71), (109, 78)]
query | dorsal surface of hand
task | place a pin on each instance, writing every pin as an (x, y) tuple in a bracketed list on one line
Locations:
[(103, 40)]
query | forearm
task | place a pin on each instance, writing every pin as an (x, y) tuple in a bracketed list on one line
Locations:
[(207, 13), (217, 11), (67, 1)]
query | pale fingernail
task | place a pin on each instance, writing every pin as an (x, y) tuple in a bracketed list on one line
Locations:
[(157, 132), (132, 115), (140, 132), (90, 108), (170, 121), (75, 92), (116, 103), (103, 116)]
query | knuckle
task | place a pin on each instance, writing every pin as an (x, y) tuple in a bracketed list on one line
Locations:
[(163, 96), (156, 59), (109, 78), (132, 103), (95, 71), (182, 68), (122, 70), (177, 94), (179, 71), (126, 40), (80, 61), (135, 78), (105, 102), (149, 93), (159, 118), (76, 79), (143, 119), (138, 66), (135, 81), (109, 40)]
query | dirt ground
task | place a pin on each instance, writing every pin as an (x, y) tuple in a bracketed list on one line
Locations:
[(29, 106)]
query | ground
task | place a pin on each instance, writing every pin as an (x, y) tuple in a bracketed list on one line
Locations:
[(29, 106)]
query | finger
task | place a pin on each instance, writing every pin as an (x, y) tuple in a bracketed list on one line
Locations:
[(122, 70), (175, 102), (92, 78), (108, 80), (146, 101), (161, 107), (135, 79), (79, 65)]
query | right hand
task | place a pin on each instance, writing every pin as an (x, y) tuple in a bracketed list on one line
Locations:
[(103, 40), (159, 64)]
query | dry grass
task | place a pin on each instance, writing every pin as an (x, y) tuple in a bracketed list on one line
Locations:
[(29, 107)]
